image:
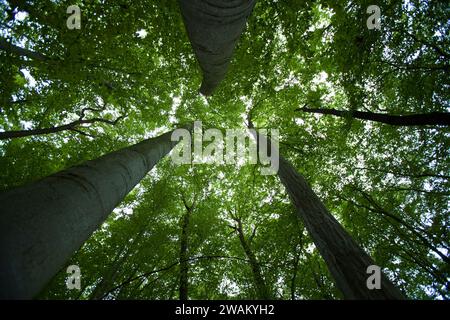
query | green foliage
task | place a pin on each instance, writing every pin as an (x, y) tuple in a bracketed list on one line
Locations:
[(387, 185)]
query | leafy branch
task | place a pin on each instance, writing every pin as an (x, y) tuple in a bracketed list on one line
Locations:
[(72, 126)]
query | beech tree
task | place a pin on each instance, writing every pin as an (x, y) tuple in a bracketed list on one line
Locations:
[(44, 223), (362, 116)]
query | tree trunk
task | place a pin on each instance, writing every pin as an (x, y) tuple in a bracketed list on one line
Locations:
[(295, 264), (43, 223), (432, 118), (214, 27), (345, 259), (260, 285), (184, 266)]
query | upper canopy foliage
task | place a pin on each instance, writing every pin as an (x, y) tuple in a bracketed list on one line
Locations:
[(387, 185)]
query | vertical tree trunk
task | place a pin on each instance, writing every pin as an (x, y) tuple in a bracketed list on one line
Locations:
[(260, 285), (43, 223), (345, 259), (214, 27), (183, 290), (184, 256), (295, 264)]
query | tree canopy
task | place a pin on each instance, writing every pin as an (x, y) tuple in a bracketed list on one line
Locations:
[(130, 73)]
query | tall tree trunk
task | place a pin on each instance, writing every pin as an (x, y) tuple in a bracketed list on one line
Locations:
[(183, 289), (43, 223), (214, 27), (184, 256), (345, 259), (295, 264), (260, 284), (432, 118)]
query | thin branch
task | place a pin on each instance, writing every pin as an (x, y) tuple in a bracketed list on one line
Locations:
[(415, 230), (432, 118), (401, 174), (73, 126), (83, 133), (170, 266), (19, 51)]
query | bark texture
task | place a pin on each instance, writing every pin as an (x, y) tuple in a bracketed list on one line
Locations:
[(43, 223), (214, 27)]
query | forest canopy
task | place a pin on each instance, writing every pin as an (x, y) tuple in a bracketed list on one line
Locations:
[(362, 115)]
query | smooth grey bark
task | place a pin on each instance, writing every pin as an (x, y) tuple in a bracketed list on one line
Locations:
[(214, 27), (43, 223)]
